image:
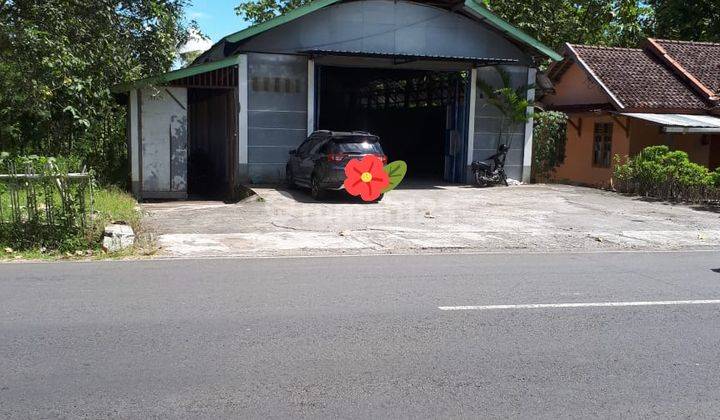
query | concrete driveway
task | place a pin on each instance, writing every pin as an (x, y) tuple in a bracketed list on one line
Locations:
[(432, 219)]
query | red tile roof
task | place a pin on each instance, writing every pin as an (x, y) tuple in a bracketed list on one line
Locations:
[(701, 59), (638, 79)]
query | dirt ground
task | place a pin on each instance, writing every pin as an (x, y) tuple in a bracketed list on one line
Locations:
[(422, 218)]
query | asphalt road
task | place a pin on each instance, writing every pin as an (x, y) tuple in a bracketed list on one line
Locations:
[(363, 337)]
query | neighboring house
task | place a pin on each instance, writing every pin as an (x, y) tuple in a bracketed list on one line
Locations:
[(621, 100), (405, 70)]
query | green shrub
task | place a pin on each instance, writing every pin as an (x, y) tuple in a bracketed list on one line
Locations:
[(659, 172), (715, 177), (691, 174), (623, 169), (549, 135)]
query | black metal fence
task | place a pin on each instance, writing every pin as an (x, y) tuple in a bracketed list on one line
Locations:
[(38, 207)]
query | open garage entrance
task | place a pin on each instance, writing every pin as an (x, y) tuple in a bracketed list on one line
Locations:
[(419, 115), (212, 127)]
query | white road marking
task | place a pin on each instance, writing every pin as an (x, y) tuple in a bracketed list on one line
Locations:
[(579, 305)]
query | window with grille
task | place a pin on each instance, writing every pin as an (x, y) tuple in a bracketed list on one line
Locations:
[(602, 145)]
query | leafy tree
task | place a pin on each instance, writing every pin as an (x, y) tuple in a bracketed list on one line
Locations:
[(257, 11), (186, 58), (599, 22), (695, 21), (196, 43), (58, 60)]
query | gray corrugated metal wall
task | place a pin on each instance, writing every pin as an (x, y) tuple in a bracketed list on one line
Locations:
[(277, 112), (277, 83), (488, 123)]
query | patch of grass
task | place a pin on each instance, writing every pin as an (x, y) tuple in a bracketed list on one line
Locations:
[(111, 204), (115, 205)]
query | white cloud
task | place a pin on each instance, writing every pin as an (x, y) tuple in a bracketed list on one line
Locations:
[(196, 42)]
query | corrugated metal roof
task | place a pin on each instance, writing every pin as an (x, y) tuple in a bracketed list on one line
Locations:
[(487, 60), (681, 123), (279, 20), (472, 7), (175, 75)]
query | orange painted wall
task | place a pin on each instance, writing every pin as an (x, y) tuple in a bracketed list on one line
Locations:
[(578, 166), (643, 134), (576, 88), (693, 145)]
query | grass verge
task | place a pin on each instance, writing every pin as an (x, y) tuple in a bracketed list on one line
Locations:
[(110, 205)]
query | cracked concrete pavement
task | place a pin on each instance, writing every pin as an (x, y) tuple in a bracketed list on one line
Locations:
[(431, 219)]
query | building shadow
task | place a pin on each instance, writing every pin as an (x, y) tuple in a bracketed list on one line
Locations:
[(705, 207), (302, 195)]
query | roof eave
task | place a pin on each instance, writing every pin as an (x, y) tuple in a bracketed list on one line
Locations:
[(691, 130)]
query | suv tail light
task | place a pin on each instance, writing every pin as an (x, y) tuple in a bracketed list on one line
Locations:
[(339, 157), (336, 157)]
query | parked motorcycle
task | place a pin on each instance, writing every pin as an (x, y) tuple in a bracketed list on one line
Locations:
[(487, 174)]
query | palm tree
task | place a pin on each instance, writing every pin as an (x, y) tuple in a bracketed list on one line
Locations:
[(512, 103)]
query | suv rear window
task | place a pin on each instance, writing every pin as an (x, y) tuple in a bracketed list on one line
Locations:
[(356, 144)]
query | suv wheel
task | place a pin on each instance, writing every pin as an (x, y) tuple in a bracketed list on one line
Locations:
[(316, 191)]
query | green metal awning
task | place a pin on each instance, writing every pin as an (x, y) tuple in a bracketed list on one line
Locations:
[(175, 75)]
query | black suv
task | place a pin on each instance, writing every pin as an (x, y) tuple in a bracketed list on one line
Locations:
[(319, 162)]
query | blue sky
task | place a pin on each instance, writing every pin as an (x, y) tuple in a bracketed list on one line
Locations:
[(216, 18)]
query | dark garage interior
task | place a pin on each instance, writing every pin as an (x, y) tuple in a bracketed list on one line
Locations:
[(417, 114), (211, 126)]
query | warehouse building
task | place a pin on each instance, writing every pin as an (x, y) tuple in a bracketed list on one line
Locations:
[(404, 70)]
